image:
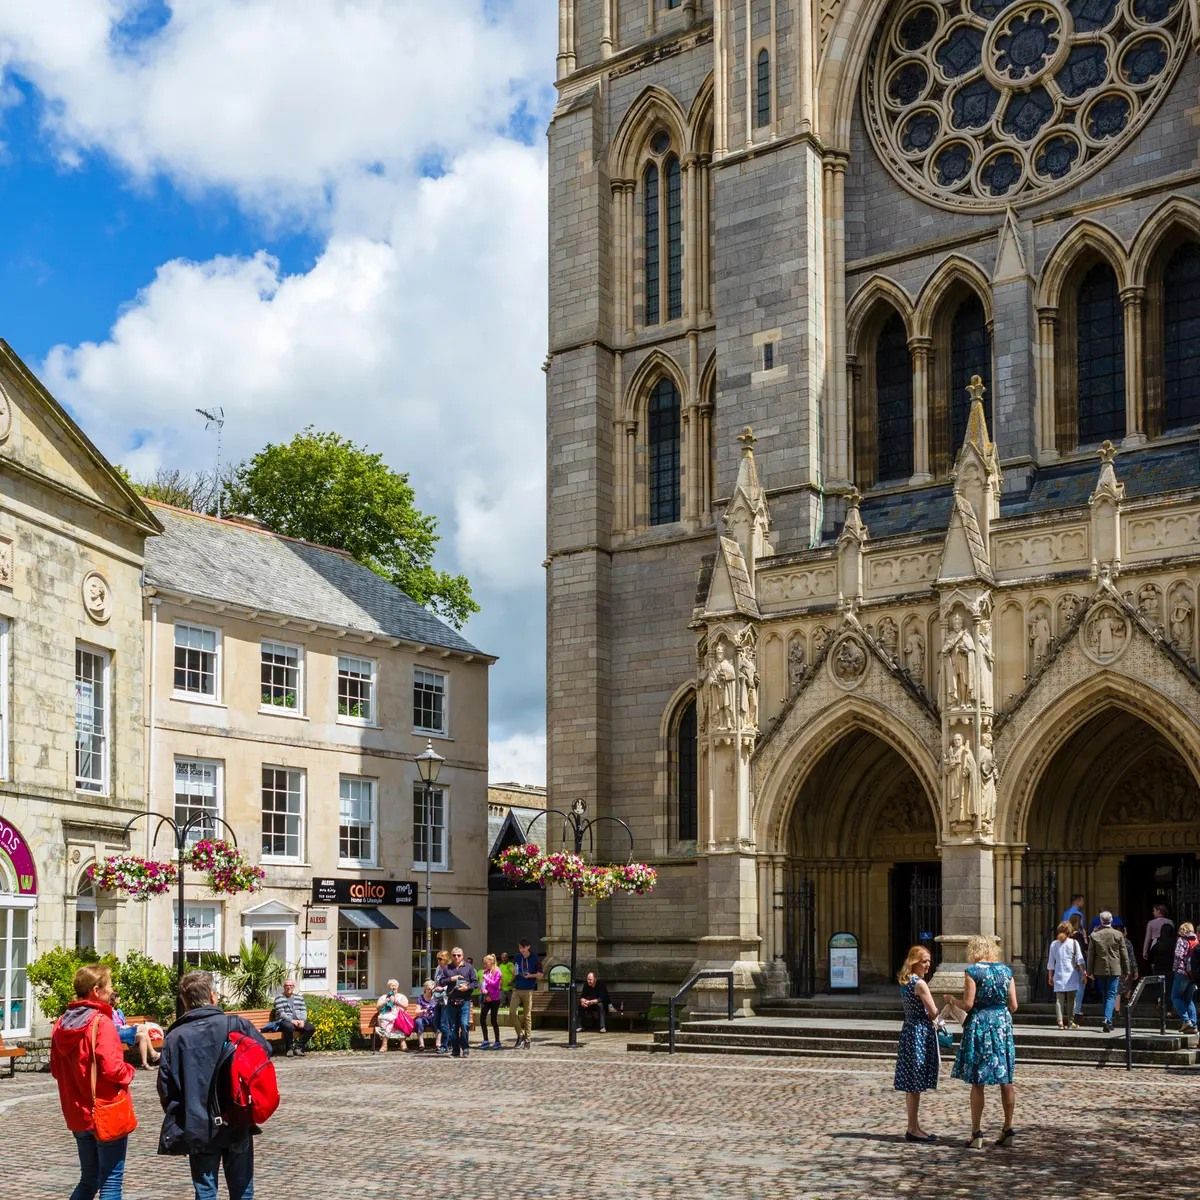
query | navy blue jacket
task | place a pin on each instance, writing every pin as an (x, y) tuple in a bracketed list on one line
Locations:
[(190, 1052)]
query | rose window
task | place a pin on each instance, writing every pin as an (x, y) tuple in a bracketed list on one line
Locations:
[(983, 103)]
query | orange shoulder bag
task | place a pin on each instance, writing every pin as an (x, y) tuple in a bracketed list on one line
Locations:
[(113, 1119)]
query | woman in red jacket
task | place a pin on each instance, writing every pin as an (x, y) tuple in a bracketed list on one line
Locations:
[(102, 1164)]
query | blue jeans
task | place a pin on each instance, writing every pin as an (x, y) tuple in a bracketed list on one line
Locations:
[(459, 1022), (1183, 997), (101, 1168), (1108, 985), (239, 1172), (1079, 995)]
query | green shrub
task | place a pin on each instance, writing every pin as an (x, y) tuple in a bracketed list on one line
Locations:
[(53, 977), (253, 980), (146, 987), (335, 1022)]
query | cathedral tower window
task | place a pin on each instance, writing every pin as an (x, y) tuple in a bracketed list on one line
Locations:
[(684, 784), (893, 403), (662, 445), (650, 218), (762, 91), (1099, 357), (1181, 338), (970, 354), (662, 232)]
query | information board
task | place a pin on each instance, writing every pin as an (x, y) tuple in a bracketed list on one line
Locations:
[(843, 963)]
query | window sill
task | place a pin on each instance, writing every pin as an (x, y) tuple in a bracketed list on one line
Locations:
[(198, 698), (99, 793), (435, 868), (353, 864), (267, 861), (276, 710), (357, 722), (432, 733)]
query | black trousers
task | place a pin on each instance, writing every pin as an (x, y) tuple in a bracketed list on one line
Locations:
[(290, 1033)]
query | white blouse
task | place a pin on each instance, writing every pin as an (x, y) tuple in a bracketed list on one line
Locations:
[(1066, 962)]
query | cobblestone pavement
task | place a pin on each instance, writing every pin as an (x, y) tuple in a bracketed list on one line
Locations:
[(601, 1124)]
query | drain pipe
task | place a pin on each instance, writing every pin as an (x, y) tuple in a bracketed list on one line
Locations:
[(151, 745)]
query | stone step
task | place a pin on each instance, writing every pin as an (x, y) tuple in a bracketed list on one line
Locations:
[(1145, 1017)]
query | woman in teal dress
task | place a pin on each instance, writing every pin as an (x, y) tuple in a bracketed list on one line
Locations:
[(987, 1054)]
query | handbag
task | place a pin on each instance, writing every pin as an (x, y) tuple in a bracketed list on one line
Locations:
[(945, 1038), (113, 1119)]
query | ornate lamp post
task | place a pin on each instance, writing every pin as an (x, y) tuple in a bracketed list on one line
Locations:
[(181, 833), (576, 820), (429, 764)]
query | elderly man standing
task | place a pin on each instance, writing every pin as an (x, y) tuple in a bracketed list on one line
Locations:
[(289, 1017), (1107, 962)]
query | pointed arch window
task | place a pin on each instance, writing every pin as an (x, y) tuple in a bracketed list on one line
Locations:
[(1181, 338), (1099, 357), (662, 445), (685, 783), (893, 402), (651, 241), (762, 90), (662, 232), (970, 354)]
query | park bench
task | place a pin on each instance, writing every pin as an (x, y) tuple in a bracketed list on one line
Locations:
[(368, 1015), (626, 1004), (258, 1017), (12, 1053)]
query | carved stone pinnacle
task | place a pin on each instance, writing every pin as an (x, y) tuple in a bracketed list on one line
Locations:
[(975, 389)]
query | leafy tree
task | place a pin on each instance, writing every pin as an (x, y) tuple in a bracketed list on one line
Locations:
[(184, 489), (52, 974), (323, 488), (253, 979), (146, 987)]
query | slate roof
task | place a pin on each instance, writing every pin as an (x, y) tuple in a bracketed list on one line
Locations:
[(254, 568), (522, 817)]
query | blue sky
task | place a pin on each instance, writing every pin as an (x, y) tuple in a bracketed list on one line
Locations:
[(306, 222)]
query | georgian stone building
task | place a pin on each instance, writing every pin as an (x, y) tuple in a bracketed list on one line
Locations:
[(915, 654)]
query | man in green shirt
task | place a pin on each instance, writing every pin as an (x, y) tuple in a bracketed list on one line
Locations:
[(507, 973)]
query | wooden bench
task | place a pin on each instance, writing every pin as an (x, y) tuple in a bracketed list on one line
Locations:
[(12, 1053), (258, 1017), (368, 1016), (626, 1004)]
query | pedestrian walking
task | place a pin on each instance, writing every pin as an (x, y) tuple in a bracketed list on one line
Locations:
[(1154, 928), (529, 971), (917, 1057), (191, 1052), (1107, 962), (1161, 959), (88, 1063), (1075, 909), (1080, 937), (987, 1054), (1183, 987), (491, 987), (1128, 982), (461, 982), (1065, 967), (440, 976)]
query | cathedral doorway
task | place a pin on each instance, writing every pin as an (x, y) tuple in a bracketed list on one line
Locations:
[(862, 834), (1116, 817)]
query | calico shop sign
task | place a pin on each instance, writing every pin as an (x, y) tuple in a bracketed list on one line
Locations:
[(369, 893)]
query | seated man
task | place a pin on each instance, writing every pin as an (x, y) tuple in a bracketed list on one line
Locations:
[(289, 1017), (593, 1003)]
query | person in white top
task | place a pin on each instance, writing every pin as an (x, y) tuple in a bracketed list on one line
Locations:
[(1064, 969)]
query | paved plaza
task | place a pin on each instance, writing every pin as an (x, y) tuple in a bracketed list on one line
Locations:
[(601, 1123)]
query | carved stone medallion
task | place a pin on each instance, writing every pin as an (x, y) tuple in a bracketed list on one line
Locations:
[(1106, 633), (848, 661), (97, 597)]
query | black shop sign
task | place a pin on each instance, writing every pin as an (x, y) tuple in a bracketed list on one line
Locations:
[(369, 893)]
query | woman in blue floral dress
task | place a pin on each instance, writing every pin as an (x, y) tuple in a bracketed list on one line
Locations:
[(917, 1059), (987, 1054)]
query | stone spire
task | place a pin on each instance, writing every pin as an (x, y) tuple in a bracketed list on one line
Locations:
[(1105, 503), (850, 550), (977, 476), (747, 518)]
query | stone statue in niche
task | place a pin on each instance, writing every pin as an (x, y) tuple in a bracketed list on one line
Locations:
[(1068, 610), (722, 687), (989, 774), (914, 654), (1039, 638), (1181, 622), (1106, 632), (987, 659), (958, 663), (1149, 605), (962, 780), (748, 692), (849, 660), (889, 637), (797, 665), (821, 638)]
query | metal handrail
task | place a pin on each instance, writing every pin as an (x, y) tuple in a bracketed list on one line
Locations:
[(707, 973), (1161, 980)]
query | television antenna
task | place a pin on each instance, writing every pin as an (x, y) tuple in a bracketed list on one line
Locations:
[(215, 416)]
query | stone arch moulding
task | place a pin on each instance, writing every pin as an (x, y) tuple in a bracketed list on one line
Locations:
[(652, 108), (1047, 727), (1065, 254), (1176, 213), (824, 715), (654, 365), (700, 120), (847, 48), (952, 270), (862, 305)]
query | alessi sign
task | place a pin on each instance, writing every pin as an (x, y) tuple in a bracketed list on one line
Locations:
[(367, 892)]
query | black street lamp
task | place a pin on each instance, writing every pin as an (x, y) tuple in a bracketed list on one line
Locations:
[(577, 821), (429, 764), (181, 838)]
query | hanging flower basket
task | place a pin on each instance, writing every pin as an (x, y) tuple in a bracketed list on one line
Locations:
[(228, 870), (528, 864), (139, 878)]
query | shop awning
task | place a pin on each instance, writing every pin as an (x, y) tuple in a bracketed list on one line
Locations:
[(441, 918), (364, 918)]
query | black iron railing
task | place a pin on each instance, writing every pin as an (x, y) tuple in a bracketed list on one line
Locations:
[(1161, 982), (707, 973)]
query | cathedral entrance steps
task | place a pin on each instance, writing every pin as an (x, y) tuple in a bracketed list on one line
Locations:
[(886, 1007), (859, 1038)]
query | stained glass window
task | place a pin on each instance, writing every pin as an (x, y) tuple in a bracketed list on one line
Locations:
[(674, 240), (1181, 338), (762, 91), (1100, 357), (651, 241), (970, 354), (662, 443), (685, 774), (893, 402)]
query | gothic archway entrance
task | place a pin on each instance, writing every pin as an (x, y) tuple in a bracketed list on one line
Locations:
[(1115, 816), (862, 833)]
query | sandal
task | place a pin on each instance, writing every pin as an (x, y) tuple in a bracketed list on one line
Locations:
[(1006, 1136), (976, 1142)]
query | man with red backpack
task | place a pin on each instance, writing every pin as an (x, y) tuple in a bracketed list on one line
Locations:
[(203, 1055)]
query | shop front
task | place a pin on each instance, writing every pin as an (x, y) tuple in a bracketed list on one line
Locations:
[(18, 902)]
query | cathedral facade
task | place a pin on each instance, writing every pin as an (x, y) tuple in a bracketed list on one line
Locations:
[(874, 484)]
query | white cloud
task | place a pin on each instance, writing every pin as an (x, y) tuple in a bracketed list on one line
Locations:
[(420, 328), (518, 759)]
